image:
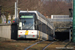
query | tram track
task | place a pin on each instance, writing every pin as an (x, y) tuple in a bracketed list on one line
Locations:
[(41, 44), (33, 44), (37, 45), (58, 45), (66, 47), (44, 45), (48, 45)]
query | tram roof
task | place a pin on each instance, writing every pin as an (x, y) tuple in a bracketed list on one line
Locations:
[(28, 11)]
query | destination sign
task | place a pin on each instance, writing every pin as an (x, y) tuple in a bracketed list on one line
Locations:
[(26, 16)]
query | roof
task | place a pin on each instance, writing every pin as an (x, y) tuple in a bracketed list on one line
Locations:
[(27, 11)]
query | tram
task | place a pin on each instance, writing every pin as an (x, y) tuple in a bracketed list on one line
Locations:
[(33, 25)]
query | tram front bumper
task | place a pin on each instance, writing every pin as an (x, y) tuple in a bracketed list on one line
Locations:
[(27, 36)]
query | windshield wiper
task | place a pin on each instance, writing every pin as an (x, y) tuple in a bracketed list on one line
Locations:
[(30, 26)]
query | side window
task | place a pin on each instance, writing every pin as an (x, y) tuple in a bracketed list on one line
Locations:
[(39, 25)]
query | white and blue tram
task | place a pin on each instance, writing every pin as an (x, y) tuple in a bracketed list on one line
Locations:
[(33, 25)]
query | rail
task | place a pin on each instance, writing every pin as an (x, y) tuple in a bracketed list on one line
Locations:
[(33, 44), (48, 45)]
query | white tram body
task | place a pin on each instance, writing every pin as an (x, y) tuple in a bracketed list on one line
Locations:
[(33, 25)]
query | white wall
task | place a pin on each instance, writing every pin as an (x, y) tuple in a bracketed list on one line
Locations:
[(5, 31)]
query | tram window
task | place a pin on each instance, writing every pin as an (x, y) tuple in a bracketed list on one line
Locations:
[(27, 22)]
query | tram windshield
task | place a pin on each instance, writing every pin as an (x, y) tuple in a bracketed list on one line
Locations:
[(26, 22)]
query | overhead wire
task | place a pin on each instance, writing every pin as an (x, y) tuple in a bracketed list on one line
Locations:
[(59, 7)]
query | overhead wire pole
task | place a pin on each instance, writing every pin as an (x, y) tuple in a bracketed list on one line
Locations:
[(16, 10), (73, 35)]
